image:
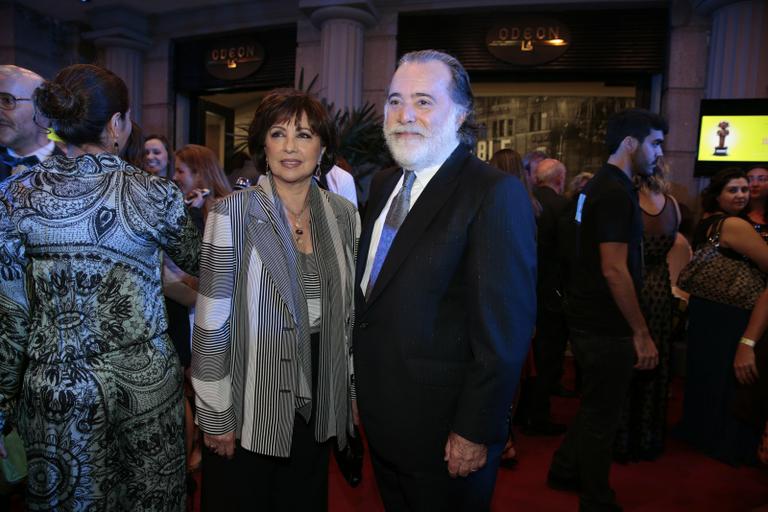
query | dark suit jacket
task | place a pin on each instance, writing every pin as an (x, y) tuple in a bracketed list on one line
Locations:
[(5, 170), (550, 287), (440, 342)]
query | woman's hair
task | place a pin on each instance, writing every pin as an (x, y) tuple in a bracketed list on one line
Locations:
[(716, 185), (80, 101), (656, 182), (285, 105), (204, 165), (509, 161), (133, 152), (167, 145)]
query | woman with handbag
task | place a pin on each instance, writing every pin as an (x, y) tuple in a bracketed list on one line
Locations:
[(725, 279), (271, 343)]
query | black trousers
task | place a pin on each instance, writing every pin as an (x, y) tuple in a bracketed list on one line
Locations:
[(587, 450), (435, 491), (548, 354), (250, 481)]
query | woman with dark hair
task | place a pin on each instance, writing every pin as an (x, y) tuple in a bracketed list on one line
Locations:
[(133, 152), (158, 156), (83, 323), (714, 329), (726, 194), (271, 352)]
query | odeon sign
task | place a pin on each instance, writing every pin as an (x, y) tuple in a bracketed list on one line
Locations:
[(234, 61), (528, 41)]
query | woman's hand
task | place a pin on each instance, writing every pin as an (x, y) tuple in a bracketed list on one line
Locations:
[(744, 365), (223, 445), (196, 198)]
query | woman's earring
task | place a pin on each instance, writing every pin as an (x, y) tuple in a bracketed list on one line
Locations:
[(117, 147), (266, 164), (318, 172)]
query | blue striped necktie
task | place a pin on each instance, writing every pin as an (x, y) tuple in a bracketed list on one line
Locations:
[(395, 217)]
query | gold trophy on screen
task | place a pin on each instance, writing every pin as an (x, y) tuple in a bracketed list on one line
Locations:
[(721, 149)]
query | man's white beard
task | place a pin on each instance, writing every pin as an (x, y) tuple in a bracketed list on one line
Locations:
[(431, 149)]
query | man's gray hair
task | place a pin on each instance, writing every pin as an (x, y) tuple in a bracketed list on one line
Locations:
[(460, 92), (548, 171)]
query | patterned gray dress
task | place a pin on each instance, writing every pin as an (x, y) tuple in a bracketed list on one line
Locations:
[(87, 372)]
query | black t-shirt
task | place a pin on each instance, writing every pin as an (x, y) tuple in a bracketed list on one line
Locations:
[(607, 211)]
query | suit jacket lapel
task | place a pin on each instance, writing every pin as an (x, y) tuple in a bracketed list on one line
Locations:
[(437, 192), (263, 228)]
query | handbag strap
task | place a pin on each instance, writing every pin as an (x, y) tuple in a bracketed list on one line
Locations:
[(714, 237)]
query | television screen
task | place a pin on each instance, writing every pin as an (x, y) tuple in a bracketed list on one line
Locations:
[(732, 133)]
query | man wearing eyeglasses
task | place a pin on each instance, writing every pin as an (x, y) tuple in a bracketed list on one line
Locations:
[(23, 135)]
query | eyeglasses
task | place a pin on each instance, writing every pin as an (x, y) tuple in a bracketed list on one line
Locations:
[(8, 101), (762, 178)]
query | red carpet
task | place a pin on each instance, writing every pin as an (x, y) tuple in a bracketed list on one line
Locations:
[(680, 481)]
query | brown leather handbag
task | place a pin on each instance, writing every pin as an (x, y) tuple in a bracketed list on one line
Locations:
[(714, 276)]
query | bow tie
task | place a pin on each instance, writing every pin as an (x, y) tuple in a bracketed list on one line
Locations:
[(13, 162)]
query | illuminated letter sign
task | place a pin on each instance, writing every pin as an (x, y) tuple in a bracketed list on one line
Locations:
[(528, 41), (233, 60)]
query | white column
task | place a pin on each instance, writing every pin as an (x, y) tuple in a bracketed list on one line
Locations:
[(128, 64), (684, 86), (738, 48), (122, 36), (342, 30)]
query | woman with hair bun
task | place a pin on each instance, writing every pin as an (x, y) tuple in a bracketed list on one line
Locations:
[(82, 321)]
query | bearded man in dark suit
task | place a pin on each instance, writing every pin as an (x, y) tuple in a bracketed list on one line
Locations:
[(446, 298)]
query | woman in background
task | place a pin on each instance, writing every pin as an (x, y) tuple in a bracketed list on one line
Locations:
[(197, 170), (714, 330), (133, 153), (509, 161), (158, 158), (642, 429), (757, 210), (83, 326)]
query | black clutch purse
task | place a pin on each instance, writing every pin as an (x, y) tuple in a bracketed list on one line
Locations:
[(350, 459)]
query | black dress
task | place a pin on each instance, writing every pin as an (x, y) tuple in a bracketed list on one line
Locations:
[(642, 429), (708, 422)]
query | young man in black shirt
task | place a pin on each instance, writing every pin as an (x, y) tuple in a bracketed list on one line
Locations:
[(608, 331)]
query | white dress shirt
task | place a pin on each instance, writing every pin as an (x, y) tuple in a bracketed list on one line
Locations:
[(342, 183), (423, 177), (42, 153)]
